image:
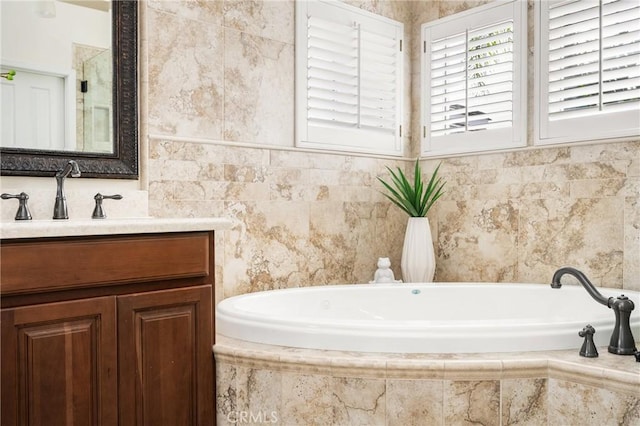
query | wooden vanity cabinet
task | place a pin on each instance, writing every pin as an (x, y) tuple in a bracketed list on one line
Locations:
[(107, 330)]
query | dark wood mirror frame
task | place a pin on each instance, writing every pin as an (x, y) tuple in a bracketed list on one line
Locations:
[(123, 163)]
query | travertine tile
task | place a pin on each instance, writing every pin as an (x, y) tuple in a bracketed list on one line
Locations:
[(200, 10), (628, 152), (269, 249), (631, 265), (307, 399), (259, 391), (471, 402), (317, 399), (415, 369), (597, 188), (476, 369), (258, 89), (359, 401), (585, 233), (363, 366), (537, 157), (226, 393), (574, 404), (484, 234), (269, 19), (186, 76), (397, 10), (524, 401), (414, 402), (526, 367), (449, 7)]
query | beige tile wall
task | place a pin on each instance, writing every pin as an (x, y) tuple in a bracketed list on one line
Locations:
[(519, 216), (220, 124)]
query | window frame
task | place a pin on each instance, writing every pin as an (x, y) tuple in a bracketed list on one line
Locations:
[(485, 140), (601, 127), (358, 140)]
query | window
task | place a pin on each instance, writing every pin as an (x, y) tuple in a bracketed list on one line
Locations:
[(348, 79), (474, 80), (588, 70)]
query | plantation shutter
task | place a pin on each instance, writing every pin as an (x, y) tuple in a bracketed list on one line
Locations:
[(474, 74), (590, 67), (472, 80), (349, 79), (593, 57)]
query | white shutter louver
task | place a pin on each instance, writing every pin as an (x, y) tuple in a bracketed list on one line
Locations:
[(620, 55), (594, 57), (448, 85), (379, 57), (350, 90)]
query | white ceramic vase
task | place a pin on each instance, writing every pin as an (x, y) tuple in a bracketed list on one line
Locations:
[(418, 257)]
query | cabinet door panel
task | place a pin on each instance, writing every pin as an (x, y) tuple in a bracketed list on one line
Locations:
[(166, 373), (59, 364)]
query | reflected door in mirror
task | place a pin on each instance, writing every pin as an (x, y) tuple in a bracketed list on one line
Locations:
[(34, 107)]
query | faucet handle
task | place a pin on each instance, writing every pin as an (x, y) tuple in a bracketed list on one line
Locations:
[(23, 210), (588, 349), (98, 211)]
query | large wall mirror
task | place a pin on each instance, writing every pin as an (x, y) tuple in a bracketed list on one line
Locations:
[(69, 87)]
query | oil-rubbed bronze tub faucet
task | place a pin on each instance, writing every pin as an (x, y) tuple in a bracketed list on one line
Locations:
[(622, 342)]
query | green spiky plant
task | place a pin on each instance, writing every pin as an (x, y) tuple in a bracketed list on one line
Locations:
[(416, 199)]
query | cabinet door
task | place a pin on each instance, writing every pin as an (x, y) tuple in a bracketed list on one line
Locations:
[(165, 355), (59, 364)]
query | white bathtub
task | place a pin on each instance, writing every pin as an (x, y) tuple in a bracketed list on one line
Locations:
[(422, 318)]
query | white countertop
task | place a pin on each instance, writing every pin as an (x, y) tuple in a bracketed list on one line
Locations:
[(142, 225)]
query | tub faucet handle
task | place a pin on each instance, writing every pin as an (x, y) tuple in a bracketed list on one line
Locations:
[(23, 210), (98, 211), (588, 347)]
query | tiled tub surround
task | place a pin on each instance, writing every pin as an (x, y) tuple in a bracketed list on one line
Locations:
[(304, 386), (216, 148), (219, 91)]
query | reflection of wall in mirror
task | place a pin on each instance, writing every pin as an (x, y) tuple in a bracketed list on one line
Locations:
[(94, 114), (28, 38), (48, 43)]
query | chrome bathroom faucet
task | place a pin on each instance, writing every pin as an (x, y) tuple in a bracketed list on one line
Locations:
[(60, 207), (622, 342)]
